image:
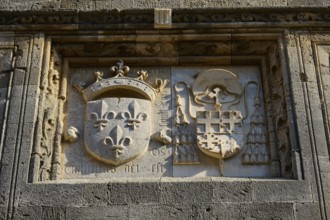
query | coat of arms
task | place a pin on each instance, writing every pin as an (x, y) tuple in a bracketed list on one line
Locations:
[(118, 115), (209, 117)]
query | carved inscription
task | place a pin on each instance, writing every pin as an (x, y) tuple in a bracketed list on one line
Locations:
[(120, 123), (195, 125)]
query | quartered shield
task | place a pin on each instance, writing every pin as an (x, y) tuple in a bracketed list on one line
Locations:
[(117, 130)]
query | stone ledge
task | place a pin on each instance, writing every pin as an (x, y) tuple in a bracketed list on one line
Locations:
[(182, 18)]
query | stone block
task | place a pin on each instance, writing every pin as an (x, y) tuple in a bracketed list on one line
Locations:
[(327, 206), (121, 193), (100, 213), (225, 211), (145, 4), (325, 178), (3, 212), (48, 5), (232, 190), (307, 3), (31, 110), (19, 77), (121, 5), (152, 211), (184, 191), (51, 195), (28, 212), (4, 82), (68, 4), (7, 39), (85, 5), (95, 194), (22, 53), (266, 210), (15, 105), (281, 191), (103, 4), (12, 129), (307, 211), (6, 59), (49, 213)]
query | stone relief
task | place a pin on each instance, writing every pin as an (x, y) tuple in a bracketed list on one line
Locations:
[(282, 161), (129, 129), (256, 150), (118, 124), (49, 120), (216, 103), (206, 121)]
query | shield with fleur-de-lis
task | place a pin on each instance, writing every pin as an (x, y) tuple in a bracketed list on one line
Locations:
[(117, 130)]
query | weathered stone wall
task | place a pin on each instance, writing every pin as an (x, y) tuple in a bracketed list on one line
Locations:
[(42, 42)]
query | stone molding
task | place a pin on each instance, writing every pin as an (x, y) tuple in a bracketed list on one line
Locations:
[(182, 18)]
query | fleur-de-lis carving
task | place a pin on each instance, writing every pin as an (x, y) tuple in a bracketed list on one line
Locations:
[(102, 122), (120, 70), (98, 76), (116, 141), (134, 117), (142, 75), (160, 84)]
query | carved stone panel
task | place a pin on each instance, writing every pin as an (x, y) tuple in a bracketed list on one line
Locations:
[(222, 109), (122, 131), (164, 121)]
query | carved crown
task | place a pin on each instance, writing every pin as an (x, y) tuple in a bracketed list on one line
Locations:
[(120, 83)]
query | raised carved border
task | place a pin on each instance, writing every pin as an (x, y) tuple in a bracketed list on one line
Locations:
[(166, 49), (321, 49), (319, 46), (18, 133)]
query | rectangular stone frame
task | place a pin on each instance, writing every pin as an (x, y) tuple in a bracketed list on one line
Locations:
[(21, 108), (171, 197), (318, 44)]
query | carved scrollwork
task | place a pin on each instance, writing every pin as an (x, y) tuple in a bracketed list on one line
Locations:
[(48, 118)]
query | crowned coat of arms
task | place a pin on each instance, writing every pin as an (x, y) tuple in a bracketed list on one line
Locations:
[(118, 115)]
